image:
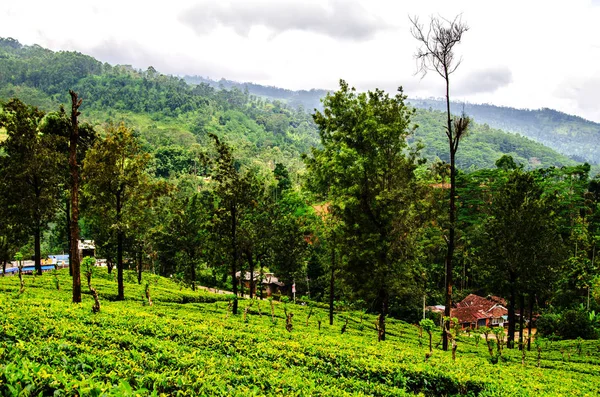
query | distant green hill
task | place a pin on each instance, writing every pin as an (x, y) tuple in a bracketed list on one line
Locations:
[(265, 125), (483, 145), (570, 135)]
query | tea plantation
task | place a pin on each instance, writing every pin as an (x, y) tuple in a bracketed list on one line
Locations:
[(188, 344)]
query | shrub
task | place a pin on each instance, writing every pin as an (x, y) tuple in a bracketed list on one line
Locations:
[(570, 324), (548, 324), (575, 324)]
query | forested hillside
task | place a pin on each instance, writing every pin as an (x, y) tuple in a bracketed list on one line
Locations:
[(571, 135), (264, 125)]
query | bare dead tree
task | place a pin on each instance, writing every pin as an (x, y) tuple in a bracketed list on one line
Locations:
[(74, 169), (436, 53)]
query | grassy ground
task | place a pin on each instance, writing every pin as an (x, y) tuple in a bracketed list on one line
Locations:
[(188, 343)]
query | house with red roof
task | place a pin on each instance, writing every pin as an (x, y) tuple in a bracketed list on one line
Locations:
[(476, 311)]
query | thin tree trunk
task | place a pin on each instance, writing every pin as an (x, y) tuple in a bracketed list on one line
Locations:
[(4, 267), (530, 325), (242, 276), (261, 277), (120, 289), (68, 219), (510, 340), (139, 266), (193, 274), (521, 317), (332, 285), (38, 250), (234, 259), (384, 308), (251, 265), (74, 226), (452, 215)]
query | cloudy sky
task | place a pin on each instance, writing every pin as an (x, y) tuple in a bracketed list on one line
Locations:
[(526, 54)]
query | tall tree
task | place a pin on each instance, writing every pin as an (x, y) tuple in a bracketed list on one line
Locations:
[(373, 189), (31, 169), (437, 54), (182, 240), (74, 207), (521, 241), (117, 187), (234, 193)]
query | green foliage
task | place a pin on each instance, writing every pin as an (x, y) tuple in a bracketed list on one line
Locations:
[(548, 324), (569, 324), (33, 171), (483, 146), (192, 349), (88, 265), (365, 171)]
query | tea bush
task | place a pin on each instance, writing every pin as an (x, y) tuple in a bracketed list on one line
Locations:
[(49, 346)]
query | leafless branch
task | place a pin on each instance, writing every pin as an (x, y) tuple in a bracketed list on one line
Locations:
[(436, 52)]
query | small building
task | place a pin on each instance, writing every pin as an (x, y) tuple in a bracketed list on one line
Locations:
[(476, 311), (270, 283), (59, 261), (86, 248)]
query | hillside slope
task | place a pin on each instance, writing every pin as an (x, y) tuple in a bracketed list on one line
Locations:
[(263, 124), (50, 346), (567, 134)]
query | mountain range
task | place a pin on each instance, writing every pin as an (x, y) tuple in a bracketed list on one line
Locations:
[(266, 124)]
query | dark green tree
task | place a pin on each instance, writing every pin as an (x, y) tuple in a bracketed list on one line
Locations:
[(368, 176), (234, 193), (118, 189), (521, 242), (31, 170)]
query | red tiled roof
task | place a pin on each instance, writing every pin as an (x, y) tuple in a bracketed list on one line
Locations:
[(498, 300), (498, 311), (475, 307), (476, 301), (469, 314)]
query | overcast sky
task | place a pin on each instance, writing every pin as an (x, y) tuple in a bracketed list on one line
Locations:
[(526, 54)]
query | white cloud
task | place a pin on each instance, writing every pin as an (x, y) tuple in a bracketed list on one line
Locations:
[(524, 54), (336, 18)]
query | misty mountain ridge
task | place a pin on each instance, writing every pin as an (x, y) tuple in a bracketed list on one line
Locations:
[(570, 135), (263, 124)]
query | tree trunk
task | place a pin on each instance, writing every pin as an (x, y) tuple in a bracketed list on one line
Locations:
[(251, 265), (510, 340), (331, 285), (120, 293), (68, 219), (4, 266), (384, 308), (261, 277), (120, 237), (521, 317), (139, 261), (242, 276), (193, 274), (234, 259), (38, 250), (452, 215), (530, 325), (74, 263)]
